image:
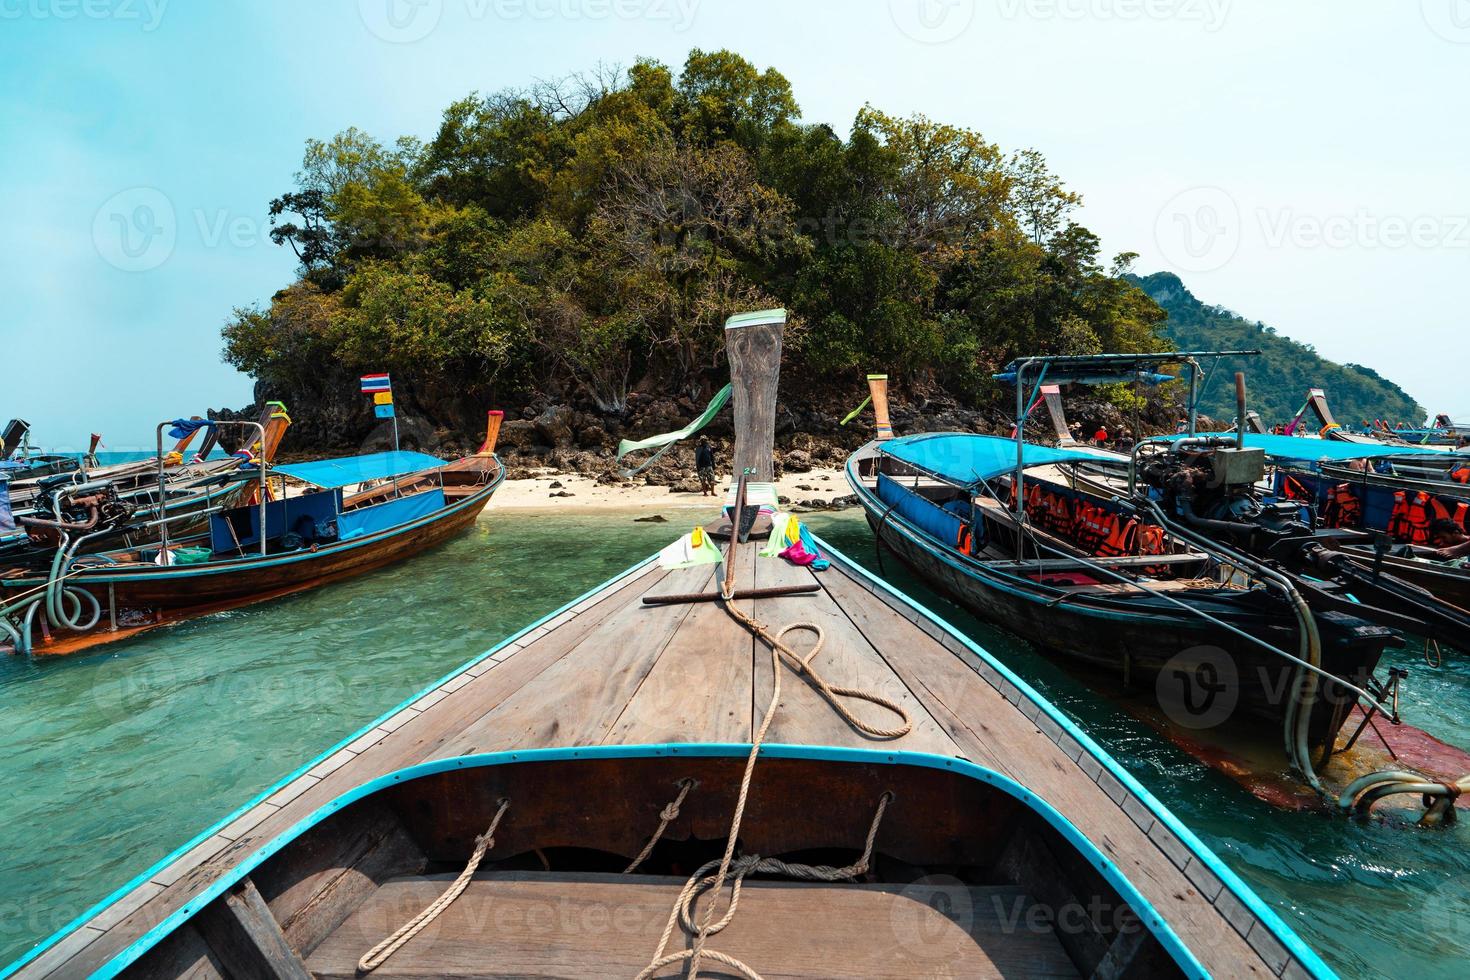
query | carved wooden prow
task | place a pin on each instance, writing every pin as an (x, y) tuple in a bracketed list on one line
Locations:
[(753, 343), (276, 423), (492, 432), (878, 391)]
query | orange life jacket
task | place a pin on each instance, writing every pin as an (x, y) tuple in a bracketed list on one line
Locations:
[(1292, 489), (1151, 542), (1343, 509), (1120, 537), (965, 540), (1033, 501), (1412, 518), (1461, 516), (1091, 525), (1461, 474), (1057, 514)]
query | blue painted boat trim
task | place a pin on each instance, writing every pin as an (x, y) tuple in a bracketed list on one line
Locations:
[(1109, 870), (1237, 887), (280, 784), (112, 575)]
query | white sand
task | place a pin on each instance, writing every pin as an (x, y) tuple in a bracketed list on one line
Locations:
[(535, 492)]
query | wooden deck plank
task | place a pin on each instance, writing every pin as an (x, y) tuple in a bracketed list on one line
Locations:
[(577, 699), (847, 659), (980, 718), (504, 925), (700, 688)]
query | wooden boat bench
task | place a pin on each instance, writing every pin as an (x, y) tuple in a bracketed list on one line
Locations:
[(534, 924)]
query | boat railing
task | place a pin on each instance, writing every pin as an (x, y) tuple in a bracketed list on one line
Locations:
[(263, 493)]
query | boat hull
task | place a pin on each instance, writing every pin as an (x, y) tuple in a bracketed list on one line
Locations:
[(1172, 659), (141, 597)]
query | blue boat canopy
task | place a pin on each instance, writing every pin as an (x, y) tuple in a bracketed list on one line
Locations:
[(966, 459), (1092, 377), (349, 470), (1312, 450)]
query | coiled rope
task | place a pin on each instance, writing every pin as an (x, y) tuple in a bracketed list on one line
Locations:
[(380, 953), (701, 880), (802, 665)]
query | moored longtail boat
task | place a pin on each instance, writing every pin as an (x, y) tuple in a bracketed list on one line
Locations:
[(862, 790), (405, 503), (18, 463), (1204, 638), (126, 504)]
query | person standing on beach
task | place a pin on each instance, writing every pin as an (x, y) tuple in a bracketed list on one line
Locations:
[(704, 465)]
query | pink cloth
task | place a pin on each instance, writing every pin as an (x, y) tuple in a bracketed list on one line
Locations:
[(798, 555)]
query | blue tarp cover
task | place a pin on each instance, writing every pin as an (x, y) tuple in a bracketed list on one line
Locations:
[(358, 469), (239, 527), (1293, 447), (966, 459), (390, 513), (940, 523), (1087, 377)]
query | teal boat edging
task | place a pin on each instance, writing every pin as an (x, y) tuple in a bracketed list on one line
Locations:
[(1242, 891), (280, 784), (1109, 869)]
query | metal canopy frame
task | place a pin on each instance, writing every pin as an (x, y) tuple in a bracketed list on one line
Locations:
[(1071, 368), (163, 488)]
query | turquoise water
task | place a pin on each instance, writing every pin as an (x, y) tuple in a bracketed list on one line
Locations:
[(110, 761)]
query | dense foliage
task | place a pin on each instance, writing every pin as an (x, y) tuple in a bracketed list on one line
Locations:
[(1280, 377), (588, 236)]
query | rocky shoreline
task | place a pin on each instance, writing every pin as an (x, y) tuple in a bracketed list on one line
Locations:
[(549, 437)]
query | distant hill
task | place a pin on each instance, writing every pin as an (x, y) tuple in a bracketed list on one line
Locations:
[(1279, 378)]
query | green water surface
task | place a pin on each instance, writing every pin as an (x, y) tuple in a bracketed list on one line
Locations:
[(110, 761)]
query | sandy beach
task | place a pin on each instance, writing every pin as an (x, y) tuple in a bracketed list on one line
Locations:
[(547, 491)]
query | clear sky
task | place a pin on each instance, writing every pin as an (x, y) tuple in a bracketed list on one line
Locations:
[(1304, 163)]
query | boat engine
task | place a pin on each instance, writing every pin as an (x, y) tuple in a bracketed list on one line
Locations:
[(64, 506), (1211, 484)]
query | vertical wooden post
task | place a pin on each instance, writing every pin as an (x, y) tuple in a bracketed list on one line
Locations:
[(753, 344), (492, 432), (878, 390)]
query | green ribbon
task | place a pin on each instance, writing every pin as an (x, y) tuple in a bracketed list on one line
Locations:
[(854, 413), (669, 438)]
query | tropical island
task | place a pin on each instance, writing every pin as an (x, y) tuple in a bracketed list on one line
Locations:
[(569, 251)]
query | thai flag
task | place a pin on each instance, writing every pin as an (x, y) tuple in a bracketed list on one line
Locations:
[(373, 383)]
